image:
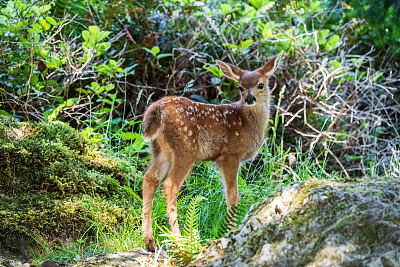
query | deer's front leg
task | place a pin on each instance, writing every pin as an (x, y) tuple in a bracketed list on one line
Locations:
[(229, 169)]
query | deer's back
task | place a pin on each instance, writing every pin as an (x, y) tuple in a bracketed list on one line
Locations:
[(204, 130)]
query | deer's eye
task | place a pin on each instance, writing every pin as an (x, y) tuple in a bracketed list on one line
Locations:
[(260, 86), (241, 89)]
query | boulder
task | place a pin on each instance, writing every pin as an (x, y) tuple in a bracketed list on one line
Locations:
[(316, 223)]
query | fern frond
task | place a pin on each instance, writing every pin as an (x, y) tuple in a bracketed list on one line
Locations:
[(232, 219), (126, 136), (186, 247)]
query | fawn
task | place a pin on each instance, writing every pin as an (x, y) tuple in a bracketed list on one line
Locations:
[(183, 132)]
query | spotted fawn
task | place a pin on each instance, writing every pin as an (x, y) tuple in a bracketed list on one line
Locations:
[(183, 132)]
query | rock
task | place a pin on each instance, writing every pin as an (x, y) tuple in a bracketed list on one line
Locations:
[(50, 263), (6, 261), (135, 258), (316, 223)]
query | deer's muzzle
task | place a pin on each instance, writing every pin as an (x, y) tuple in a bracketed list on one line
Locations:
[(250, 99)]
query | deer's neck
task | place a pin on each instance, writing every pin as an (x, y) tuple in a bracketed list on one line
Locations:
[(256, 118)]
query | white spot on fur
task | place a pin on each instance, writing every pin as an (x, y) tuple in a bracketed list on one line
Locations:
[(185, 128), (193, 119), (190, 133), (237, 133)]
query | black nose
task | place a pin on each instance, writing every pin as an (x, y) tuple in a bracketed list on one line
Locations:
[(250, 99)]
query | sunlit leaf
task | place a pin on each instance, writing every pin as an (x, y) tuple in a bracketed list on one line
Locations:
[(247, 43), (155, 50)]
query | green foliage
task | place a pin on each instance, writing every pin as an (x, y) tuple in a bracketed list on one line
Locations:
[(186, 247), (232, 219), (382, 27)]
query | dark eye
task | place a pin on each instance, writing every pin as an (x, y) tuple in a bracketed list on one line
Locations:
[(241, 89), (260, 86)]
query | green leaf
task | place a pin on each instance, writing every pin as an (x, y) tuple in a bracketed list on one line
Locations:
[(102, 35), (95, 86), (104, 110), (256, 3), (70, 102), (249, 13), (110, 86), (335, 64), (376, 76), (225, 8), (214, 70), (94, 30), (116, 121), (132, 194), (37, 28), (4, 113), (86, 35), (36, 10), (102, 48), (44, 9), (268, 30), (44, 23), (127, 70), (52, 21), (352, 157), (34, 79), (164, 55), (322, 35), (332, 43), (247, 43), (155, 50)]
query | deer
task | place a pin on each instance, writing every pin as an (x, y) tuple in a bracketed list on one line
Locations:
[(183, 132)]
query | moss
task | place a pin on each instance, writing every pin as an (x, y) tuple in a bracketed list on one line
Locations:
[(53, 185)]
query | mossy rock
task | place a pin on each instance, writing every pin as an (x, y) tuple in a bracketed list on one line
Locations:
[(317, 223), (53, 183)]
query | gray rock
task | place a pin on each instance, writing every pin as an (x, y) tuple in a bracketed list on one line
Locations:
[(316, 223), (135, 258)]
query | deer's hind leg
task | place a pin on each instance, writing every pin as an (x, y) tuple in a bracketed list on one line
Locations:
[(161, 163), (181, 167)]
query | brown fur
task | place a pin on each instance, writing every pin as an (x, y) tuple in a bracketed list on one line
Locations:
[(183, 132)]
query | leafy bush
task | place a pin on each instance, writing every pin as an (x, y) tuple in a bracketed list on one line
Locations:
[(379, 22)]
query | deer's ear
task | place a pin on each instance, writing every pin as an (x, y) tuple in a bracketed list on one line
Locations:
[(230, 71), (270, 67)]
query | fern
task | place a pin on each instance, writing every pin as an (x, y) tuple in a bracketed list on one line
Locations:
[(185, 248), (127, 136), (232, 219), (60, 8)]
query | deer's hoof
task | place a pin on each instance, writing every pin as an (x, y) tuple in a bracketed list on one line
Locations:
[(150, 244)]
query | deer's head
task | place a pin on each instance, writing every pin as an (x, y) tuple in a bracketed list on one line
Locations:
[(253, 84)]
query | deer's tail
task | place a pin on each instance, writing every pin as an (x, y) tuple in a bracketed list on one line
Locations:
[(152, 121)]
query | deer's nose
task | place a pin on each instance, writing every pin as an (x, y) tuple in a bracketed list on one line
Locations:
[(250, 99)]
